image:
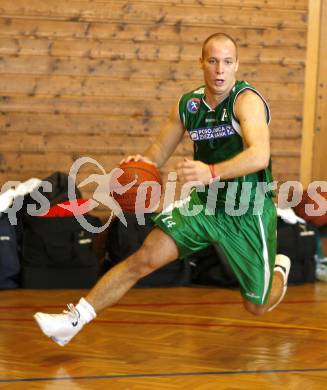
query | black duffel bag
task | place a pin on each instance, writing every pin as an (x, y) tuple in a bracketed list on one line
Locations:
[(298, 242), (57, 252), (9, 260)]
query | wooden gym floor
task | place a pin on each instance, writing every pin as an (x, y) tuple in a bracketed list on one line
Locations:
[(178, 338)]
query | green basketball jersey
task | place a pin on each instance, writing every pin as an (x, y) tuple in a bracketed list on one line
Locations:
[(217, 137)]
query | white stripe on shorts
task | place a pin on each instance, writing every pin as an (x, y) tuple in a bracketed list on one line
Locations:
[(265, 259)]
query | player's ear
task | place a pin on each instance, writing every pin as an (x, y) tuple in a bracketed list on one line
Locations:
[(201, 62), (236, 65)]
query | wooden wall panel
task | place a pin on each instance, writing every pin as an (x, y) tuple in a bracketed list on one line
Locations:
[(84, 86), (141, 32), (38, 65), (139, 51), (98, 77), (158, 12), (319, 156)]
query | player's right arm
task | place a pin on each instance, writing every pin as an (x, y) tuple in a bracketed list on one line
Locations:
[(165, 143)]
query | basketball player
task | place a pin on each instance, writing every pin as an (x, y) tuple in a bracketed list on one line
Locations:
[(228, 122)]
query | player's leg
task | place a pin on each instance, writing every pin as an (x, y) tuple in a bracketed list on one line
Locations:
[(278, 265), (158, 249), (249, 242), (278, 289)]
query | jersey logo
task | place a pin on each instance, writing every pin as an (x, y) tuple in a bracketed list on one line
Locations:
[(225, 115), (193, 105), (206, 133)]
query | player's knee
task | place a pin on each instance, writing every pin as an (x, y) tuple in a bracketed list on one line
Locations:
[(256, 310), (141, 263)]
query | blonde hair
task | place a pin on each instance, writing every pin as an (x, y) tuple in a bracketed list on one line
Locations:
[(219, 36)]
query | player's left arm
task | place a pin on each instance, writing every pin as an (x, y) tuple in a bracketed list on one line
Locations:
[(251, 114)]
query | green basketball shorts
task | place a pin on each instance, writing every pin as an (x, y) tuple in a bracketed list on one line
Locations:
[(249, 241)]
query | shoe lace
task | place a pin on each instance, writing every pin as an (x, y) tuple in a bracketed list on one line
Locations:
[(72, 312)]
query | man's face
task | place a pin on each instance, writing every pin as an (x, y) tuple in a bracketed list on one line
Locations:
[(219, 65)]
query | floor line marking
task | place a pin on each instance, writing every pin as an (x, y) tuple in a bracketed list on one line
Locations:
[(164, 374), (161, 323), (232, 320)]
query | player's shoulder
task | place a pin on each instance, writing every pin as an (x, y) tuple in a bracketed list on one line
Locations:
[(248, 95), (244, 92), (246, 100), (241, 86)]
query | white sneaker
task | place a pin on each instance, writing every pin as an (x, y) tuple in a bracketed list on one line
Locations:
[(61, 328), (282, 265)]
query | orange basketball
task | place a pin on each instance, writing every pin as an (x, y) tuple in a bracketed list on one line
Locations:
[(144, 194)]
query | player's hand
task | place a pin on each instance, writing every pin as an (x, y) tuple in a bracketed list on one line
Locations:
[(137, 157), (190, 170)]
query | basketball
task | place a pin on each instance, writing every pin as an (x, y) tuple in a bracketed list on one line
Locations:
[(144, 194)]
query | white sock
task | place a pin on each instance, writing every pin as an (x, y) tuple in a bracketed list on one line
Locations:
[(86, 310)]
